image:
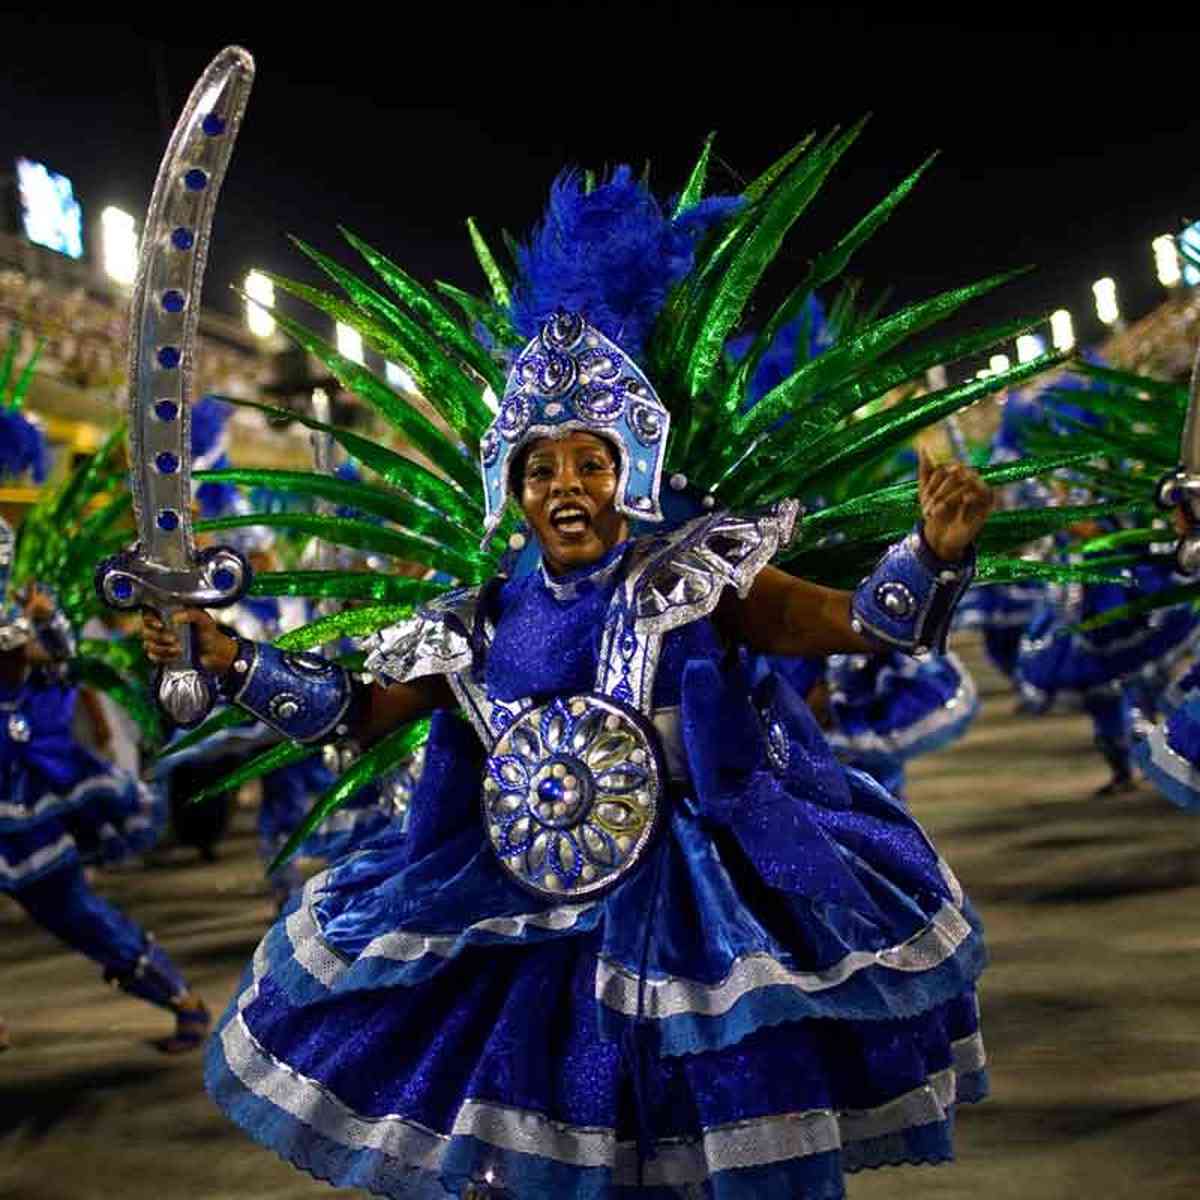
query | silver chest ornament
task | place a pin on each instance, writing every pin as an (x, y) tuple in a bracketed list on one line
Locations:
[(19, 729), (572, 796)]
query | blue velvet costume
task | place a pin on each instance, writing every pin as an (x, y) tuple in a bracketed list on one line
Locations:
[(780, 991), (61, 807), (888, 709), (1112, 671), (1169, 755)]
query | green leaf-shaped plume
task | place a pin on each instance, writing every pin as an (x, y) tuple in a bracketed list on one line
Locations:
[(285, 754)]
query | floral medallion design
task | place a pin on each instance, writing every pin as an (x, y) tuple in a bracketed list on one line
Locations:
[(571, 796)]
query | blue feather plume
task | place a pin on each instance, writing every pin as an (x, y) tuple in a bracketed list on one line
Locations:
[(22, 447), (612, 254)]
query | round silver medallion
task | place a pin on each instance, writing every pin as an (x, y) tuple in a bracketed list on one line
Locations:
[(572, 796)]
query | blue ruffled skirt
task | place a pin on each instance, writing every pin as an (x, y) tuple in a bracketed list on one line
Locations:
[(781, 993), (1169, 755), (61, 804), (1056, 661)]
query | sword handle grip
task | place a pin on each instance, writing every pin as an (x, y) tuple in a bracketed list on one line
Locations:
[(184, 691)]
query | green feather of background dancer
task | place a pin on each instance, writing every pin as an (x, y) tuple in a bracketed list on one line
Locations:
[(385, 756), (16, 397), (472, 567), (463, 508), (415, 427), (285, 754), (9, 358), (364, 497)]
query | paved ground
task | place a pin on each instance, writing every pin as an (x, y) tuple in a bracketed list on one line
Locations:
[(1091, 1007)]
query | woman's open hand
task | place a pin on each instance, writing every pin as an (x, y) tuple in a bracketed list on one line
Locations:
[(955, 503), (162, 642)]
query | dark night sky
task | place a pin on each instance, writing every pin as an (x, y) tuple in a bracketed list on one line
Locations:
[(1067, 148)]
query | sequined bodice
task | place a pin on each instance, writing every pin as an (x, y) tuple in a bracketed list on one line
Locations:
[(548, 635)]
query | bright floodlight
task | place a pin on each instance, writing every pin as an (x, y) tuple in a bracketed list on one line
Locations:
[(1166, 261), (349, 343), (983, 373), (398, 377), (259, 288), (1029, 347), (999, 363), (119, 245), (1105, 291), (1062, 330)]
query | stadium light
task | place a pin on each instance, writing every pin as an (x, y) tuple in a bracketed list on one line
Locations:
[(259, 288), (1166, 261), (119, 245), (1062, 330), (1105, 291), (398, 377), (999, 363), (1029, 347), (350, 343)]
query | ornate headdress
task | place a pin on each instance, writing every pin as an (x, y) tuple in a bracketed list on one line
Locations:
[(571, 377)]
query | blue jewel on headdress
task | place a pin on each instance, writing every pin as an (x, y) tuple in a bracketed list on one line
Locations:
[(571, 377)]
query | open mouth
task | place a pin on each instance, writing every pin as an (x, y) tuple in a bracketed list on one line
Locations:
[(570, 519)]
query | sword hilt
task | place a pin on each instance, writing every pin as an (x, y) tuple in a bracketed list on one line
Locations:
[(184, 691), (220, 577)]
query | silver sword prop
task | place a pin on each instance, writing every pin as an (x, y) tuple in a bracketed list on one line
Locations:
[(163, 571), (1181, 488)]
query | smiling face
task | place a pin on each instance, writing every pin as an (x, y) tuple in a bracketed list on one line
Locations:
[(568, 488)]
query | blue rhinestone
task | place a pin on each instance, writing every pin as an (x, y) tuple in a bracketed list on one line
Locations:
[(196, 180), (168, 519), (172, 301), (166, 410), (168, 358), (550, 790), (224, 579), (182, 238), (213, 125), (166, 462), (122, 587)]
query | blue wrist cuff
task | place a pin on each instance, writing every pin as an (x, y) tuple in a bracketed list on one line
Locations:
[(304, 696), (908, 600)]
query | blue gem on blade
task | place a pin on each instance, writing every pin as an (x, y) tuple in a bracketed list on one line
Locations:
[(213, 125), (224, 579), (172, 301), (166, 410), (168, 519), (168, 358), (167, 463), (182, 238), (122, 587), (196, 180)]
